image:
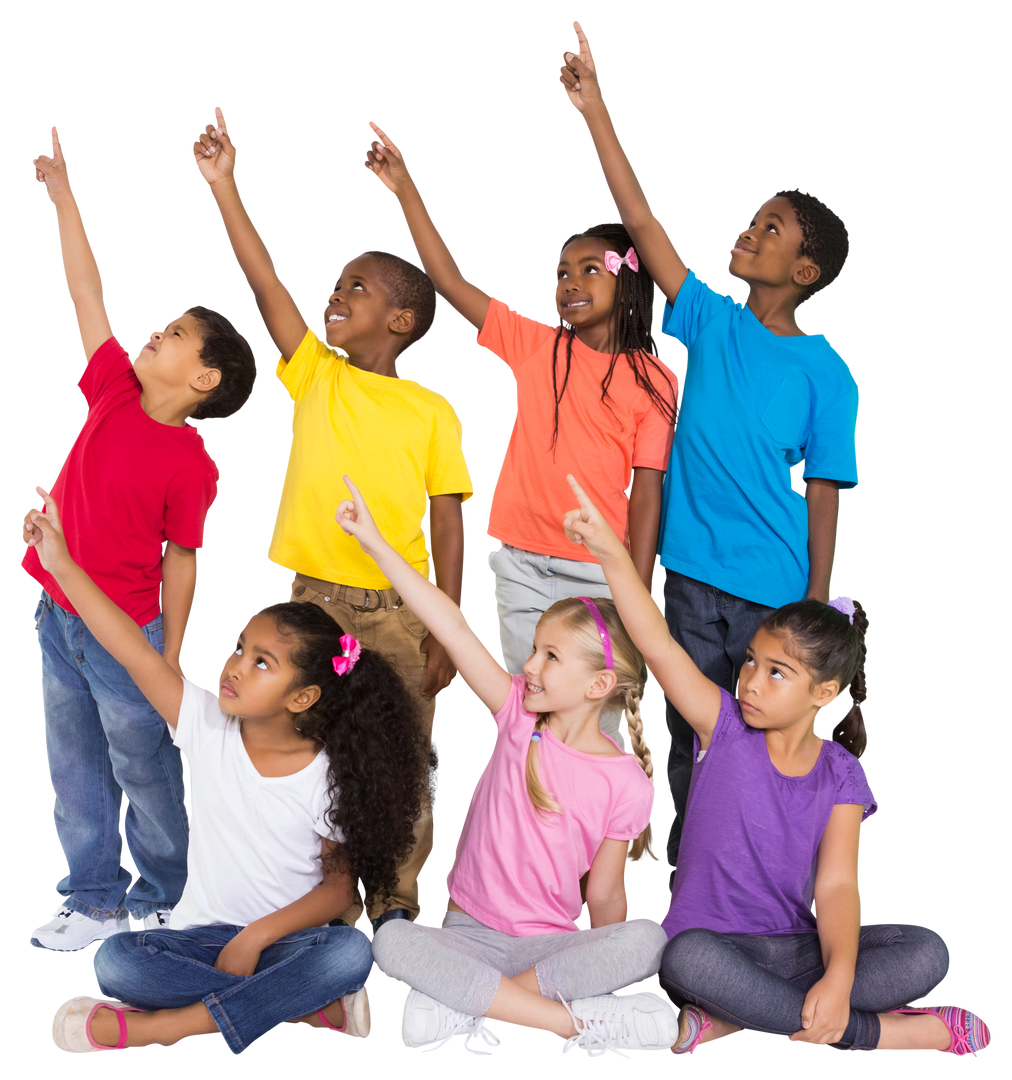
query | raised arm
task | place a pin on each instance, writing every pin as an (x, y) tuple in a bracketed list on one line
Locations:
[(440, 614), (385, 160), (215, 156), (446, 529), (684, 685), (113, 628), (78, 261), (579, 77)]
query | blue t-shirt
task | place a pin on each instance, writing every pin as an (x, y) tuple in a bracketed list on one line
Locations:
[(754, 405)]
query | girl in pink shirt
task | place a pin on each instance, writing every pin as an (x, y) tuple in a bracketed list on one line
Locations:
[(557, 802)]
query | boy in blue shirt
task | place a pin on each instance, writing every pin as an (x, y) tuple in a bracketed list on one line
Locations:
[(759, 396)]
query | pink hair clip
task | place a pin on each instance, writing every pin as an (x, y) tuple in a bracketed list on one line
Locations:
[(350, 652), (613, 262)]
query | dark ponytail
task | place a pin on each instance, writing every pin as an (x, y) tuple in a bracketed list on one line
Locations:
[(830, 647), (378, 756)]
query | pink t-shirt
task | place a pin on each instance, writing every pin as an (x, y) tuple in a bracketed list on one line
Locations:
[(129, 484), (600, 442), (518, 870)]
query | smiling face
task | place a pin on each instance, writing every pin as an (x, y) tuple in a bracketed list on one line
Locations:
[(259, 680), (585, 294), (766, 253), (558, 677), (775, 690), (359, 316), (171, 359)]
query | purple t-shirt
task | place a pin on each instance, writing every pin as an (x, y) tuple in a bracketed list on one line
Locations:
[(746, 864)]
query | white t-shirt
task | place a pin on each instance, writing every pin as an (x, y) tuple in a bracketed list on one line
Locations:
[(254, 840)]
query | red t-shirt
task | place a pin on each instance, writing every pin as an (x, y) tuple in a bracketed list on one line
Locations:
[(600, 442), (129, 484)]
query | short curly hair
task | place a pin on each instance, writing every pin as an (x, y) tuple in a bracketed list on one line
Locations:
[(824, 238), (224, 348), (407, 287)]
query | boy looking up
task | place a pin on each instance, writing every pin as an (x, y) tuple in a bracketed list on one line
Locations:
[(355, 417), (736, 541), (136, 478)]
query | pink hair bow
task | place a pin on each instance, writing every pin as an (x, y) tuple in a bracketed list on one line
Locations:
[(351, 651), (614, 262)]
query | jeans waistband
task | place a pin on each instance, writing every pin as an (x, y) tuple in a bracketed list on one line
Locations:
[(362, 599)]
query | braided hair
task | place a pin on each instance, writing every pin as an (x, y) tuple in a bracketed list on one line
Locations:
[(632, 317), (830, 647), (377, 776), (823, 238)]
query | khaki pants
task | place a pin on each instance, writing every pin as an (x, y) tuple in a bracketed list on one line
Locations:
[(380, 621)]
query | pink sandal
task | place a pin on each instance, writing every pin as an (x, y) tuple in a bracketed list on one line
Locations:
[(72, 1024), (356, 1015), (692, 1022), (967, 1032)]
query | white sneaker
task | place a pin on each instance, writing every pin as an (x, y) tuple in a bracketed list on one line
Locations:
[(157, 920), (69, 931), (428, 1021), (632, 1022)]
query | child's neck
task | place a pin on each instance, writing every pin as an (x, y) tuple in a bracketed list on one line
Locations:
[(167, 406), (599, 338), (774, 307), (794, 750), (580, 729), (378, 359), (275, 746)]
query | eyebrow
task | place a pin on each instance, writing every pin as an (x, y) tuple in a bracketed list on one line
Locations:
[(770, 213), (782, 663), (262, 652), (176, 326)]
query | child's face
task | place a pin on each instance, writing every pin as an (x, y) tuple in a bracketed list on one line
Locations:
[(258, 678), (775, 690), (171, 358), (766, 253), (358, 315), (585, 294), (558, 678)]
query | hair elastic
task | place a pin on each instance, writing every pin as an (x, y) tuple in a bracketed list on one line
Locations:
[(602, 629), (845, 606), (351, 650), (613, 262), (536, 737)]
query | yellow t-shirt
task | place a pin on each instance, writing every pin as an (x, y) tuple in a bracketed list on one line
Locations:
[(396, 440)]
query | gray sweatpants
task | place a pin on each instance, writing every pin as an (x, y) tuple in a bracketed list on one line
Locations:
[(461, 964)]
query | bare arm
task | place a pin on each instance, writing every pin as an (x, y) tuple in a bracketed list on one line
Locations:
[(385, 160), (179, 580), (439, 613), (215, 156), (579, 77), (823, 499), (685, 686), (645, 521), (79, 264), (606, 902), (446, 529), (114, 630)]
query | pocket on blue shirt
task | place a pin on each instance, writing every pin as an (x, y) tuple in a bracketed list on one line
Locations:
[(786, 415)]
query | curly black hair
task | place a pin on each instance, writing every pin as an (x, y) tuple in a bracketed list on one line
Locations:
[(826, 642), (378, 756), (824, 238), (632, 316), (224, 348), (407, 287)]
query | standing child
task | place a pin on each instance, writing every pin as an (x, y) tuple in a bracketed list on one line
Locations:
[(136, 478), (557, 801), (590, 396), (775, 818), (355, 415), (301, 768), (760, 396)]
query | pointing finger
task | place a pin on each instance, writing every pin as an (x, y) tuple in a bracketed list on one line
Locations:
[(220, 117), (57, 151)]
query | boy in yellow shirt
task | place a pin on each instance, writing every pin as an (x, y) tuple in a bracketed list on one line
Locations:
[(398, 440)]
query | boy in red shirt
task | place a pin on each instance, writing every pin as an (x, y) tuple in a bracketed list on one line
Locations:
[(137, 477)]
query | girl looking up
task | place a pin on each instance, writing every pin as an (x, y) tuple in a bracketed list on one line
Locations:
[(591, 396), (773, 819), (558, 800), (300, 768)]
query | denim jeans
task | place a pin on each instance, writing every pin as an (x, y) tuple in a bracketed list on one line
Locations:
[(104, 739), (761, 982), (300, 974), (714, 628)]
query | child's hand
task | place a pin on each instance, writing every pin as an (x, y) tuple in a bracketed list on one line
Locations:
[(43, 531), (214, 152), (385, 160), (824, 1014), (579, 76), (354, 518), (52, 171), (239, 957), (587, 526)]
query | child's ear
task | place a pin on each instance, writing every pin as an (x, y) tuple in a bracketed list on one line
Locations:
[(826, 692), (403, 322), (603, 685), (304, 699), (206, 379), (807, 274)]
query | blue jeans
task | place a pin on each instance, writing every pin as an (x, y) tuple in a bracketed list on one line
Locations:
[(298, 975), (104, 739), (714, 628), (761, 982)]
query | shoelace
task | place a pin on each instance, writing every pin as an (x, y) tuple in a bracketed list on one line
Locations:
[(462, 1023), (598, 1034), (961, 1040)]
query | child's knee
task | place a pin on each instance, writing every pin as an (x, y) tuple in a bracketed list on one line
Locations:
[(648, 940), (114, 963), (688, 956), (348, 955)]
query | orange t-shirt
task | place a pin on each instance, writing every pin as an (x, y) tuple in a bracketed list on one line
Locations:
[(600, 442)]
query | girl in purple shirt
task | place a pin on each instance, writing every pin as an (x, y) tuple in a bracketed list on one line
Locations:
[(772, 824)]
